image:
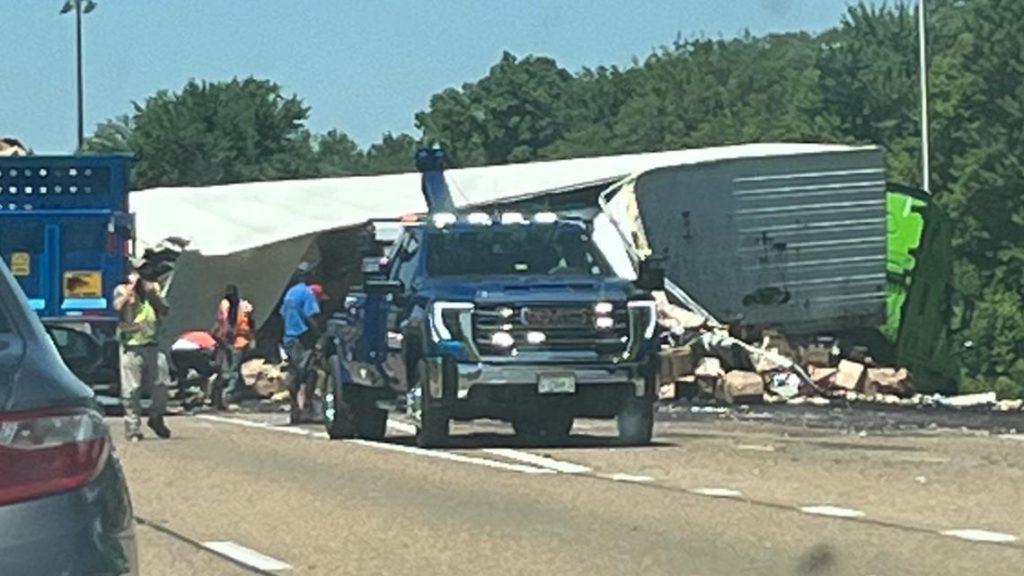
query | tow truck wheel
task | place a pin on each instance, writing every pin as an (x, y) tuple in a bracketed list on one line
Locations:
[(432, 429), (337, 411), (371, 421), (636, 423)]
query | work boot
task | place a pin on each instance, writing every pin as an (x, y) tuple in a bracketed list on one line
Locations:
[(157, 425)]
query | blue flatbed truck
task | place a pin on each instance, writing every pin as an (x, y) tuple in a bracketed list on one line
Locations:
[(66, 233)]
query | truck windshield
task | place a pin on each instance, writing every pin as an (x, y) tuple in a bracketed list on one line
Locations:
[(561, 249)]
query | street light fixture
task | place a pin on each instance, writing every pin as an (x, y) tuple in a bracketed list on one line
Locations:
[(925, 168), (79, 7)]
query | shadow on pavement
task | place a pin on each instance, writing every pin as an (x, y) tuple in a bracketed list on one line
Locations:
[(479, 440)]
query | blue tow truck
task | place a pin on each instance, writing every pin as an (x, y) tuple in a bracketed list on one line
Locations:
[(66, 233), (509, 316)]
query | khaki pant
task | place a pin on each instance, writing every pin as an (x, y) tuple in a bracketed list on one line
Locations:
[(143, 368)]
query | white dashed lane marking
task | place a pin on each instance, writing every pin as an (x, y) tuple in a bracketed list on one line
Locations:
[(538, 460), (756, 447), (628, 478), (977, 535), (833, 511), (717, 492), (453, 457), (247, 556), (530, 463)]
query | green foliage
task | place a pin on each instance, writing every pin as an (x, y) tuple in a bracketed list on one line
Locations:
[(857, 83), (510, 115), (218, 132), (392, 155)]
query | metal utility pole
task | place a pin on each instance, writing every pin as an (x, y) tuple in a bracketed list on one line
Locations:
[(80, 7), (923, 65)]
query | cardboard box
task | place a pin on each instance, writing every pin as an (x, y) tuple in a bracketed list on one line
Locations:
[(740, 387)]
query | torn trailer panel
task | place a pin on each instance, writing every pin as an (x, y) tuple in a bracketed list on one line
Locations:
[(796, 241), (264, 273)]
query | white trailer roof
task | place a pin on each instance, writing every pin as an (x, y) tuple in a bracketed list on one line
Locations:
[(234, 217)]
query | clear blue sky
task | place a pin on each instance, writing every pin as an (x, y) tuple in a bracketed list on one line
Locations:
[(364, 66)]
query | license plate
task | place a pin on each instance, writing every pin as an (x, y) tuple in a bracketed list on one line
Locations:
[(556, 384)]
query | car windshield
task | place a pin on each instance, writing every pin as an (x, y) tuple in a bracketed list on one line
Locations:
[(562, 249)]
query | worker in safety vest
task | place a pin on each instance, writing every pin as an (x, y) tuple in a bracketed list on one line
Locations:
[(233, 332), (140, 305)]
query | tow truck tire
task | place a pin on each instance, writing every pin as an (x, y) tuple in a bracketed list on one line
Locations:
[(371, 421), (339, 419), (636, 423), (432, 431)]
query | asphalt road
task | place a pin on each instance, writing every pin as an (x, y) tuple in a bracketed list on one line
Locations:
[(232, 496)]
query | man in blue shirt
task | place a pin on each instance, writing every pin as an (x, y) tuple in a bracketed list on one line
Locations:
[(300, 308)]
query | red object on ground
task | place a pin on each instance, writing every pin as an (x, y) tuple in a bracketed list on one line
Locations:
[(200, 338)]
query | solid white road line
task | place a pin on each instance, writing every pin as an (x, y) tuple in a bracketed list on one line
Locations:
[(717, 492), (453, 457), (628, 478), (246, 556), (756, 447), (438, 454), (518, 455), (833, 511), (976, 535), (538, 460)]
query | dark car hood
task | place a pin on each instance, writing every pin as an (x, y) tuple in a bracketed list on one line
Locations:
[(526, 289)]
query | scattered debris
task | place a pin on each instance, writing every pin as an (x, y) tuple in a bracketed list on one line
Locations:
[(706, 362), (784, 385), (266, 379), (889, 381), (967, 400), (850, 375), (738, 386), (1010, 405)]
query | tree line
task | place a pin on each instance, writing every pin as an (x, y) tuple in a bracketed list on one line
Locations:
[(856, 82)]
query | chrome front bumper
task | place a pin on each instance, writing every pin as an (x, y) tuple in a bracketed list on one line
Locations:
[(471, 375)]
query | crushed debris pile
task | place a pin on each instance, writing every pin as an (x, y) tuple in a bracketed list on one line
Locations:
[(708, 365), (265, 379)]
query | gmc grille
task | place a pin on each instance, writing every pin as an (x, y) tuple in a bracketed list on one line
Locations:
[(566, 328)]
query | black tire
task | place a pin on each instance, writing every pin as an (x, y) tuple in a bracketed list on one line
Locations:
[(338, 416), (549, 428), (636, 423), (432, 429), (371, 422)]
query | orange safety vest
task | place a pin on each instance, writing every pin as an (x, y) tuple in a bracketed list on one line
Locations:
[(243, 327)]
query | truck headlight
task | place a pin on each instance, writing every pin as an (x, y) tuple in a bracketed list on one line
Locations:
[(644, 315), (450, 320)]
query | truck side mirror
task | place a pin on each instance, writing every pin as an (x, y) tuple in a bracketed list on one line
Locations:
[(382, 286), (371, 266), (650, 277)]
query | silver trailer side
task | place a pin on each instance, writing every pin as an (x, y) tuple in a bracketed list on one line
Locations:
[(792, 241)]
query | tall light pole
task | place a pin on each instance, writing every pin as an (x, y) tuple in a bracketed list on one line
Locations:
[(79, 7), (922, 43)]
